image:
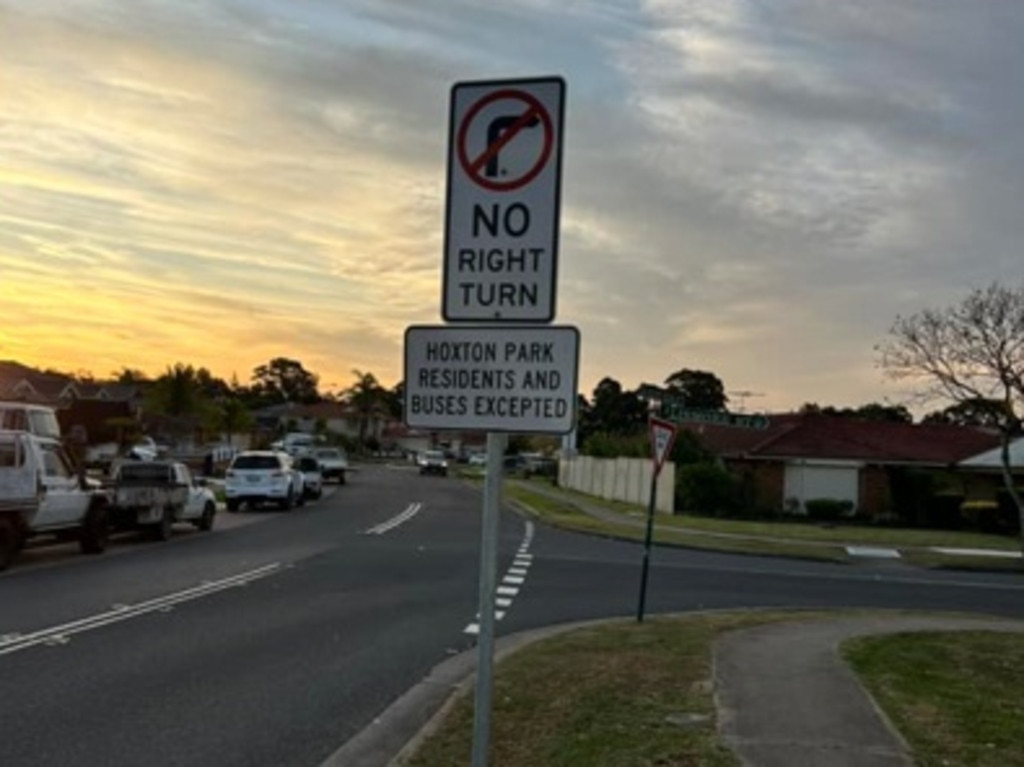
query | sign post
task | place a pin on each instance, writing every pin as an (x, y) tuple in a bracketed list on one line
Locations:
[(663, 435), (500, 267)]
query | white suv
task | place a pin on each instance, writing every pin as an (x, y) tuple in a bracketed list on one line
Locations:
[(263, 476)]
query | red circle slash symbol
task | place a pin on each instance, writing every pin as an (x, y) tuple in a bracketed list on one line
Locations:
[(501, 131)]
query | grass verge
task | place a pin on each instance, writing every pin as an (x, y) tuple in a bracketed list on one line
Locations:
[(955, 697), (564, 514), (936, 559), (797, 529), (620, 694)]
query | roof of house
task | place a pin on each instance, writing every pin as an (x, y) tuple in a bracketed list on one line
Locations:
[(325, 410), (993, 459), (834, 438)]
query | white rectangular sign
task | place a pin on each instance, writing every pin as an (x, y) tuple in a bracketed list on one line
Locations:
[(504, 188), (507, 378)]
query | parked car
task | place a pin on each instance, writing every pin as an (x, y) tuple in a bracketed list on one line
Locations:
[(312, 476), (433, 462), (152, 495), (263, 476), (478, 459), (333, 463), (41, 493)]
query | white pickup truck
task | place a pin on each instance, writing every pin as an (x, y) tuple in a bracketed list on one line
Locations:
[(41, 493), (153, 495)]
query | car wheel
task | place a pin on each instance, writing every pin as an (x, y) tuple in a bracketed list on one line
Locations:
[(95, 532), (341, 478), (163, 529), (288, 502), (205, 522), (300, 499), (232, 504), (9, 542), (319, 492)]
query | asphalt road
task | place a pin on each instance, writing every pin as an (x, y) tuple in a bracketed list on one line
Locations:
[(278, 636)]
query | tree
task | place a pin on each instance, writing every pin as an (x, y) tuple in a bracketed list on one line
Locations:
[(128, 375), (234, 418), (284, 380), (873, 411), (985, 413), (613, 411), (968, 352), (697, 389), (367, 397), (178, 395)]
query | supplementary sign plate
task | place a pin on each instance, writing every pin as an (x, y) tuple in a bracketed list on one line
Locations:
[(510, 379), (504, 181)]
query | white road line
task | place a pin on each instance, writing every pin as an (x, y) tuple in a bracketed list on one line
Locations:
[(410, 511), (516, 574), (56, 635)]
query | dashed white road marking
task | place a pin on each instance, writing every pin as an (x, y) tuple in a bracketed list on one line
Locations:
[(514, 577), (410, 511)]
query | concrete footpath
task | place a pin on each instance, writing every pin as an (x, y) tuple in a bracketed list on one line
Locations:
[(785, 697)]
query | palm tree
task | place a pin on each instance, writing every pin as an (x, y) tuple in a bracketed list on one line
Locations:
[(366, 396)]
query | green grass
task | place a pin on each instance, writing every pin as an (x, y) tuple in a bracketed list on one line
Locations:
[(935, 559), (607, 696), (564, 514), (955, 697), (799, 530)]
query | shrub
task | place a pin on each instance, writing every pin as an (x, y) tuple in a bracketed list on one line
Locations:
[(828, 509), (707, 488), (991, 516)]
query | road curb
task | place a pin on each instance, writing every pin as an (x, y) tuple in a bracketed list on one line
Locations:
[(395, 735)]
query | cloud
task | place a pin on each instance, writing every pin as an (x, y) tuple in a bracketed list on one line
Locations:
[(754, 189)]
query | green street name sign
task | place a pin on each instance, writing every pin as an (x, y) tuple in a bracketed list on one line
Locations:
[(676, 412)]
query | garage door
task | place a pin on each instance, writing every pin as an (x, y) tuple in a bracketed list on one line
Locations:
[(807, 481)]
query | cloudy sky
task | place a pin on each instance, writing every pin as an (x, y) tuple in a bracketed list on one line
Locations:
[(751, 188)]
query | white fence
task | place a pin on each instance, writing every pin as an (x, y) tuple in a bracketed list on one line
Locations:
[(619, 479)]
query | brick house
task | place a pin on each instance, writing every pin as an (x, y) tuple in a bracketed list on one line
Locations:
[(801, 457)]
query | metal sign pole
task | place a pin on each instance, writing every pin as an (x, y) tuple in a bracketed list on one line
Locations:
[(488, 576), (655, 470)]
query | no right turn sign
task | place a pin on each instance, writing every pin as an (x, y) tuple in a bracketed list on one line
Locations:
[(504, 187)]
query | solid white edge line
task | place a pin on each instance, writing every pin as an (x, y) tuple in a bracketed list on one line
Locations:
[(123, 613)]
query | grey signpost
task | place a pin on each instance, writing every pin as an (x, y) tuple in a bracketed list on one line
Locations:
[(500, 267)]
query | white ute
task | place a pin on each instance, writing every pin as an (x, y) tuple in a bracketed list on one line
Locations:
[(153, 495), (42, 494)]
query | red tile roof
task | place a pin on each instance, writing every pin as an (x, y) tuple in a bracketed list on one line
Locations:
[(827, 437)]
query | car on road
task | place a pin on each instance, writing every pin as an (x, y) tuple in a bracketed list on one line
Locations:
[(333, 463), (433, 462), (312, 476), (255, 477)]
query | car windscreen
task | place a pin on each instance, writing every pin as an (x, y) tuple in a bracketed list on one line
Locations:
[(308, 464), (256, 462)]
